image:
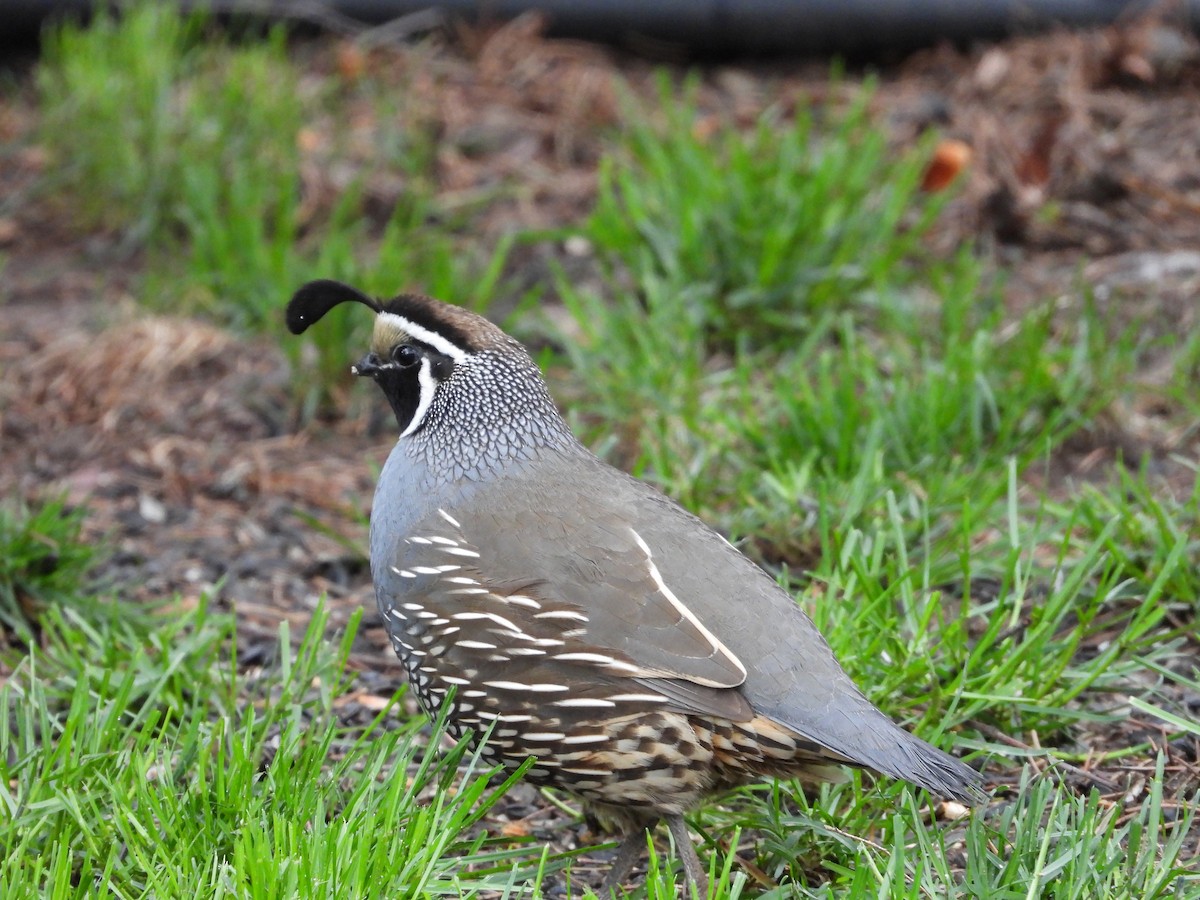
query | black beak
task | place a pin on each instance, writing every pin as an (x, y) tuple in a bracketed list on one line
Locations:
[(368, 366)]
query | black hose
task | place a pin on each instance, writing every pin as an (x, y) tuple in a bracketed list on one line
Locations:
[(703, 26)]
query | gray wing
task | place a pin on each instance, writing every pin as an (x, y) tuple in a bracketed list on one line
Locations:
[(794, 679), (606, 611), (623, 574)]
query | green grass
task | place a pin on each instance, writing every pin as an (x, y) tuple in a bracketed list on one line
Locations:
[(43, 561), (757, 234), (137, 761), (1042, 842), (776, 346)]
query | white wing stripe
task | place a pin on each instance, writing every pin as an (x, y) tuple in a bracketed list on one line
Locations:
[(684, 612)]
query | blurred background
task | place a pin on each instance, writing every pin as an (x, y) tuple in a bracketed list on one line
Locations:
[(903, 302)]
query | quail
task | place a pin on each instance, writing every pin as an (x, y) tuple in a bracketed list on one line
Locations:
[(579, 614)]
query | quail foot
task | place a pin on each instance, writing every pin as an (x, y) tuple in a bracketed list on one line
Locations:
[(588, 620)]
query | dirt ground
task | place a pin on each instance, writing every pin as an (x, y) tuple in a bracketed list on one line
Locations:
[(1084, 170)]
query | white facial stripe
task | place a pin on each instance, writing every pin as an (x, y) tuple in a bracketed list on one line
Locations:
[(427, 386), (425, 336)]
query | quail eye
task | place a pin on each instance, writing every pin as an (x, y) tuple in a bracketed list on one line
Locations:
[(406, 355)]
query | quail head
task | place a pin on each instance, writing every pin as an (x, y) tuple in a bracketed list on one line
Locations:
[(585, 618)]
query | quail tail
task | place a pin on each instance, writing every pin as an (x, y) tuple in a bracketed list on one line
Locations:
[(925, 766)]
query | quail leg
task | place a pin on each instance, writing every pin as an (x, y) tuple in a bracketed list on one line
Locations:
[(627, 854), (693, 871), (631, 848)]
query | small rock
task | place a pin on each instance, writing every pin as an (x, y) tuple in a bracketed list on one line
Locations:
[(952, 810), (151, 510), (577, 245), (993, 68)]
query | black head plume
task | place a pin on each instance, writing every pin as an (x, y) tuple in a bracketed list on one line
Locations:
[(316, 298)]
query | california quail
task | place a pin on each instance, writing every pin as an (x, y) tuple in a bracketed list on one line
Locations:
[(587, 619)]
